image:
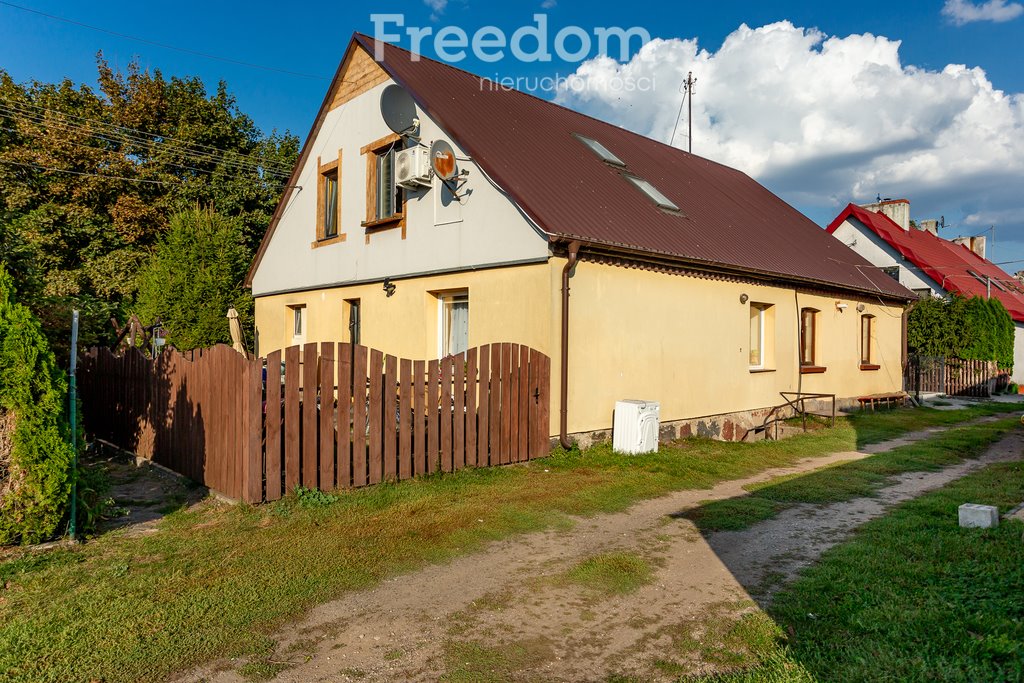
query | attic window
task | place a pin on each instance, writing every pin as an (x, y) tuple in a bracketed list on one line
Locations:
[(601, 151), (653, 193)]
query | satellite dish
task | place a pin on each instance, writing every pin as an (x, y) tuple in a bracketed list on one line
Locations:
[(398, 109), (442, 160)]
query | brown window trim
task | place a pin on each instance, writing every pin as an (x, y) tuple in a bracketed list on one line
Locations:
[(328, 241), (865, 354), (814, 339), (812, 369), (321, 225), (373, 224)]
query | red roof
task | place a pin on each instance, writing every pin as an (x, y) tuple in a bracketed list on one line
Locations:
[(727, 221), (951, 265)]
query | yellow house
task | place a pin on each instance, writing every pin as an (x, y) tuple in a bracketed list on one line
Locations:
[(691, 284)]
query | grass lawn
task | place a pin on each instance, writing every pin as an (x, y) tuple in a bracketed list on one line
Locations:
[(215, 581), (848, 480), (912, 597)]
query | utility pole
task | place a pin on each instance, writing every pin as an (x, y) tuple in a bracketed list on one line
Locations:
[(690, 81), (687, 90)]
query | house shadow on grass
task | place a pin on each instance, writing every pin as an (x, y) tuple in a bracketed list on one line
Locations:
[(767, 537), (141, 492), (149, 436)]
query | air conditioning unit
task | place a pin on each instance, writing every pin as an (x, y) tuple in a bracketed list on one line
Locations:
[(635, 428), (412, 168)]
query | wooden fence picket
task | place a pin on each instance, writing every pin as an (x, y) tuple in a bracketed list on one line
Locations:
[(327, 415), (359, 417), (327, 419), (291, 418)]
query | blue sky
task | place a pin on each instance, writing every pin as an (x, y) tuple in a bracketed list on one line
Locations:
[(310, 38)]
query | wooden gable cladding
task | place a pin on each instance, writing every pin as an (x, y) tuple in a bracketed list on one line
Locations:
[(359, 73)]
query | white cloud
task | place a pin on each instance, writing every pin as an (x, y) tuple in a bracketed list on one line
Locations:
[(826, 120), (437, 8), (962, 12), (548, 4)]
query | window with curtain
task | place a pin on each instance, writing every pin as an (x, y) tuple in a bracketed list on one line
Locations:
[(389, 195), (298, 322), (757, 336), (330, 207), (328, 197), (454, 328), (866, 323), (808, 320)]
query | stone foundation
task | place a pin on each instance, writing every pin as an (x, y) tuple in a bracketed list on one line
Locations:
[(738, 426)]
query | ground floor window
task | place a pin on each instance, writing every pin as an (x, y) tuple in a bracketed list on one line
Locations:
[(453, 326), (808, 334), (758, 335), (866, 323), (297, 321), (355, 320)]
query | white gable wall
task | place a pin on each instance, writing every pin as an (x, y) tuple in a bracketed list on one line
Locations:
[(487, 230), (878, 252)]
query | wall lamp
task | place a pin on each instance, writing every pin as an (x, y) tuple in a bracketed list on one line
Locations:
[(840, 306), (744, 298), (389, 287), (860, 308)]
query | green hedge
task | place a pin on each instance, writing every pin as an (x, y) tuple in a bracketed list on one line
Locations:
[(35, 494), (973, 329)]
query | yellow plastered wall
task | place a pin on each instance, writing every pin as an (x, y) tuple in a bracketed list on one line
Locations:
[(505, 304), (684, 341)]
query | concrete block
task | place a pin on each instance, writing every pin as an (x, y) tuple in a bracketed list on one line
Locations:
[(978, 516)]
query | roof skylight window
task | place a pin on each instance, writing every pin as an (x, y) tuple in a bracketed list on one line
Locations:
[(601, 151), (653, 193)]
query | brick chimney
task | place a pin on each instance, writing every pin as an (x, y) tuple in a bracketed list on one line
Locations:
[(896, 209), (975, 244), (930, 225)]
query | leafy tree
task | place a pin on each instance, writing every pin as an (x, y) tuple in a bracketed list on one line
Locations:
[(972, 329), (35, 456), (195, 274), (130, 154)]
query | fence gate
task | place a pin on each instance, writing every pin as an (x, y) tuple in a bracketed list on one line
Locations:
[(324, 416)]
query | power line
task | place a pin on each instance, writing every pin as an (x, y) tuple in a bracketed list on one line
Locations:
[(228, 165), (229, 176), (164, 45), (32, 113), (36, 167), (245, 163)]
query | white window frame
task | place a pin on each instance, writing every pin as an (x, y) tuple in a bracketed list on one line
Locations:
[(442, 320), (760, 326), (298, 312)]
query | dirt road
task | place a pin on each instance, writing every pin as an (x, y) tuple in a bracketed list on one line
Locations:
[(509, 612)]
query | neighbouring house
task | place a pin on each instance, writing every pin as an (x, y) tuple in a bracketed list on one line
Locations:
[(691, 284), (929, 265)]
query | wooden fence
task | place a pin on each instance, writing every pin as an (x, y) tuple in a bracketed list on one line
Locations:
[(321, 416), (952, 376)]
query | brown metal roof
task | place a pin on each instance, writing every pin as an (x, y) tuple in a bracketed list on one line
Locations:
[(527, 146)]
